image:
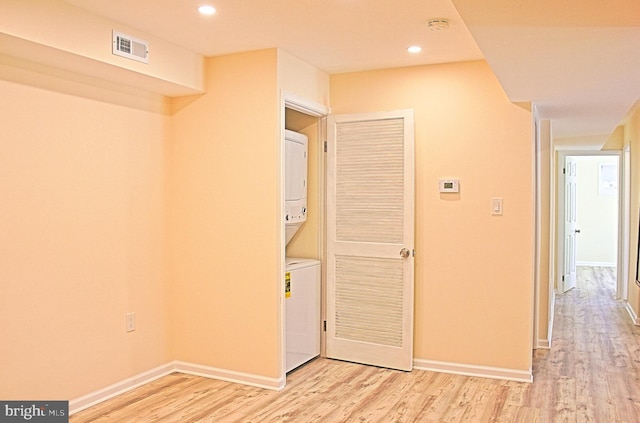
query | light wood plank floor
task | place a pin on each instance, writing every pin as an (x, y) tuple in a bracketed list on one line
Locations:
[(591, 374)]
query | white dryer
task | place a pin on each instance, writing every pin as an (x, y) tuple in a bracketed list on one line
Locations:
[(295, 181), (302, 311)]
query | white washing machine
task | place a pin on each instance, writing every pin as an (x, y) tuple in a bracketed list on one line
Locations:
[(302, 311)]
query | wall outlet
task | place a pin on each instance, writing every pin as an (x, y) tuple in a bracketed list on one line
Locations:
[(131, 322)]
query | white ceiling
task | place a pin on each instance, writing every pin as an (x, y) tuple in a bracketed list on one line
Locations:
[(577, 60), (334, 35)]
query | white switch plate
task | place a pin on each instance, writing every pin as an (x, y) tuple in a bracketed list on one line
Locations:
[(496, 206)]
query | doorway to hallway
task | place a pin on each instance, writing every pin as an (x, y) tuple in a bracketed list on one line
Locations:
[(589, 223)]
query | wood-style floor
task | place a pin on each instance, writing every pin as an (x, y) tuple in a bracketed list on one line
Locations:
[(590, 374)]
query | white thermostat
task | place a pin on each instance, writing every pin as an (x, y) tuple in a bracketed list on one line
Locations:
[(449, 185)]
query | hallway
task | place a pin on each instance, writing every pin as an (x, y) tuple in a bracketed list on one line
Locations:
[(590, 374)]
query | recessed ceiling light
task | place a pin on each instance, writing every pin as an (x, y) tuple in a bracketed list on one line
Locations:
[(414, 49), (206, 10)]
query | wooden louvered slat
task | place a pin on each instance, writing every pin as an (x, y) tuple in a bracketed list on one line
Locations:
[(369, 181), (369, 291)]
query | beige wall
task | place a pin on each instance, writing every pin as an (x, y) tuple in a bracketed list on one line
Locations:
[(597, 214), (55, 33), (632, 138), (83, 241), (615, 140), (225, 219), (474, 271), (297, 77)]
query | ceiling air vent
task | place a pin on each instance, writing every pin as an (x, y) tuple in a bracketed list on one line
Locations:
[(130, 47)]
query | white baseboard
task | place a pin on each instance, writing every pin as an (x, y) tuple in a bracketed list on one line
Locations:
[(596, 263), (632, 314), (543, 344), (473, 370), (546, 343), (276, 384), (143, 378), (93, 398)]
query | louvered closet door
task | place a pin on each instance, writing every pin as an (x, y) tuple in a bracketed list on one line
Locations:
[(370, 235)]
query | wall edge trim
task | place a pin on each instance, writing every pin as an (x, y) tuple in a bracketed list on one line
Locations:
[(473, 370)]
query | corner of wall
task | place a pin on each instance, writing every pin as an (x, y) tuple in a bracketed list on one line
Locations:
[(46, 33)]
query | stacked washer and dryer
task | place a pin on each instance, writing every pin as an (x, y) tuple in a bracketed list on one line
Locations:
[(302, 275)]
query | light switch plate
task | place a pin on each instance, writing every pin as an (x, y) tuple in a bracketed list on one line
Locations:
[(496, 206), (131, 322)]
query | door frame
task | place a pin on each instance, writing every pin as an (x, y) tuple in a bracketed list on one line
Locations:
[(625, 220), (320, 111), (559, 236)]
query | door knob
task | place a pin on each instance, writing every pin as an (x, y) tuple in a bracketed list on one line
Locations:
[(577, 231), (404, 253)]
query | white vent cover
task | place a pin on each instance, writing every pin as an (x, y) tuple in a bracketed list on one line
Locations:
[(438, 24), (130, 47)]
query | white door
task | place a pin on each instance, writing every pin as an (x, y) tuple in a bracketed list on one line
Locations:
[(370, 238), (570, 224)]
